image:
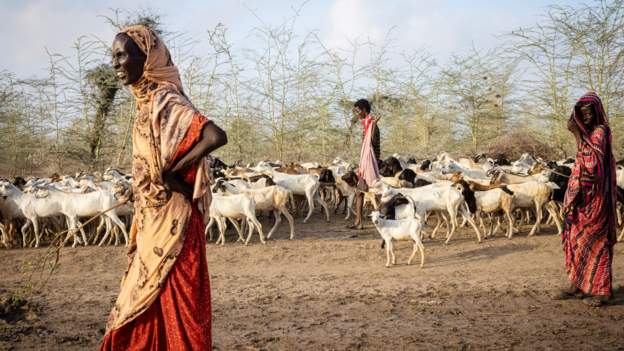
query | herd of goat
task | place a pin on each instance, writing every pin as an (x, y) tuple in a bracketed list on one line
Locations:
[(489, 194)]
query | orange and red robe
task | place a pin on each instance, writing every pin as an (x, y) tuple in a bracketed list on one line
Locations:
[(180, 318)]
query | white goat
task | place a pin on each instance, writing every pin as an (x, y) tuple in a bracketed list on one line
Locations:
[(56, 203), (492, 201), (400, 229), (435, 197), (234, 207), (302, 184), (348, 194), (535, 195), (272, 198)]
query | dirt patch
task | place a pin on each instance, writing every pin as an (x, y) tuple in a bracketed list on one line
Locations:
[(328, 289), (18, 318)]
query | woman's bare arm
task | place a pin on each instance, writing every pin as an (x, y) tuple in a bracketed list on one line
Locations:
[(212, 138)]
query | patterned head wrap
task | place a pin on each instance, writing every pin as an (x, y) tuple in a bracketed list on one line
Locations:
[(590, 98), (158, 68)]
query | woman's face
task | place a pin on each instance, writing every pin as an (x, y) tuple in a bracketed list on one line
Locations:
[(128, 59), (587, 115)]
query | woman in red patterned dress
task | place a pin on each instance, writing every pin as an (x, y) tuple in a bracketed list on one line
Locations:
[(164, 300), (589, 206)]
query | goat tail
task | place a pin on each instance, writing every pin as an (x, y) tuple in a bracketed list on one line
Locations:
[(506, 189)]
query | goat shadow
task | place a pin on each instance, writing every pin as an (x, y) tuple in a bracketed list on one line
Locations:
[(481, 253)]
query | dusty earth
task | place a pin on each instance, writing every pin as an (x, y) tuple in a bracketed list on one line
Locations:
[(328, 290)]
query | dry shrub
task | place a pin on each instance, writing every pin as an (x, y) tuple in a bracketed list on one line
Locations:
[(514, 144)]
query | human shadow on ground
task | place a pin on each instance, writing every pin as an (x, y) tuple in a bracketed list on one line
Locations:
[(618, 296)]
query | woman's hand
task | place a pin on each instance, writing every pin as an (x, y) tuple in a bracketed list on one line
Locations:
[(173, 182), (573, 127)]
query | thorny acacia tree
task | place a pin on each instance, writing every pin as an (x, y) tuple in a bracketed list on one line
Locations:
[(570, 51), (477, 84), (290, 95)]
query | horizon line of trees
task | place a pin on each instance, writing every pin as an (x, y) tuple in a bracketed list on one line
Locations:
[(290, 98)]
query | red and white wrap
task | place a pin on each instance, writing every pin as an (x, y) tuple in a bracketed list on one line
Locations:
[(368, 163)]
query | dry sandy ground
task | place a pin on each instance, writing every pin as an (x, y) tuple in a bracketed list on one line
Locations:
[(326, 290)]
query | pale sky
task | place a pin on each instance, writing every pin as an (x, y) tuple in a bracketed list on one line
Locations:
[(442, 27)]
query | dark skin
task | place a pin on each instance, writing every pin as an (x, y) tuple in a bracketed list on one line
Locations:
[(128, 62), (361, 114), (587, 118), (128, 59)]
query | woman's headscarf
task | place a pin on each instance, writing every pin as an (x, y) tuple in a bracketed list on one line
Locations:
[(158, 68), (170, 112), (160, 91), (600, 117)]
